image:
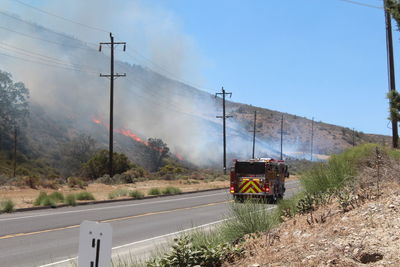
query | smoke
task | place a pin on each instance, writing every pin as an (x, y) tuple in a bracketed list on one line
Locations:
[(145, 102)]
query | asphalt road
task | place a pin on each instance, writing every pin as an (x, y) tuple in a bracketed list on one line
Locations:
[(50, 237)]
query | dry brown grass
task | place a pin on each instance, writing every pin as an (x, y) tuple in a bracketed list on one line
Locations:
[(367, 231), (24, 197)]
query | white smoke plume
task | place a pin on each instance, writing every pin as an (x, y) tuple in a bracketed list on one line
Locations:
[(145, 102)]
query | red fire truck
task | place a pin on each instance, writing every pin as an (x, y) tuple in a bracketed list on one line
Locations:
[(258, 178)]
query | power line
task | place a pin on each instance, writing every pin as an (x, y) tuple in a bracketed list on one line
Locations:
[(43, 28), (44, 40), (47, 64), (60, 17), (40, 56), (169, 74), (361, 4)]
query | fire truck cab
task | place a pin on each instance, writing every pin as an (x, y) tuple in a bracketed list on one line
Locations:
[(258, 178)]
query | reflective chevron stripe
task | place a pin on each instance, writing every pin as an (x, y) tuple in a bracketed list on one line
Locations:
[(250, 186)]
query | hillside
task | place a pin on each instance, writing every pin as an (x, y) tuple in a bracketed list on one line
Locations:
[(328, 138), (68, 101)]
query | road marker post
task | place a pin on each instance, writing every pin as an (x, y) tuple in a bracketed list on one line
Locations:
[(95, 243)]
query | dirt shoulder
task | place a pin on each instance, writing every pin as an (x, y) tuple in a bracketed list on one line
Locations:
[(367, 234), (24, 197)]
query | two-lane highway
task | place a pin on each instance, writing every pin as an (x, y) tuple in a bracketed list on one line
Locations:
[(51, 236)]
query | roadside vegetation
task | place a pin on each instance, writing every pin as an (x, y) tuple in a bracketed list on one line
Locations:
[(6, 206), (340, 180)]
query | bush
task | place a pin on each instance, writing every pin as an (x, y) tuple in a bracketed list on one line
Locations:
[(48, 202), (97, 166), (7, 206), (170, 190), (40, 199), (288, 207), (184, 253), (106, 179), (57, 196), (44, 200), (50, 183), (70, 200), (31, 181), (136, 194), (248, 218), (120, 192), (154, 191), (76, 182), (84, 196)]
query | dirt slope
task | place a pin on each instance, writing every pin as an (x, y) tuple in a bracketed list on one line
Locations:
[(368, 234)]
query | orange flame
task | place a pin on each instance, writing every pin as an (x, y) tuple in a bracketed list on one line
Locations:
[(133, 136)]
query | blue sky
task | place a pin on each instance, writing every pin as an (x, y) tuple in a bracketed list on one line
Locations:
[(314, 58), (321, 58)]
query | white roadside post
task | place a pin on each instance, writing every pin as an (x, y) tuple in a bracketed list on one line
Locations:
[(95, 243)]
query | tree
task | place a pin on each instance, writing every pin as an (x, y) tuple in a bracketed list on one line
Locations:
[(158, 151), (394, 105), (97, 166), (14, 106), (77, 152), (393, 7)]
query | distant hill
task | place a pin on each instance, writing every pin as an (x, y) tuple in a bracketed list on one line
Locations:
[(66, 101)]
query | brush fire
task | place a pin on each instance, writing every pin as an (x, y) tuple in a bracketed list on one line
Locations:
[(133, 136)]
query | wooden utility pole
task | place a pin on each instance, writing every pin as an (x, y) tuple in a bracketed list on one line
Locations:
[(15, 151), (254, 133), (112, 76), (312, 139), (391, 74), (223, 117), (281, 158)]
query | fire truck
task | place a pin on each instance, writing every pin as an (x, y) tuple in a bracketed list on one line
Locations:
[(262, 178)]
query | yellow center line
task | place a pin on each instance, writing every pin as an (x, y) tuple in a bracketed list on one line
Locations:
[(113, 220)]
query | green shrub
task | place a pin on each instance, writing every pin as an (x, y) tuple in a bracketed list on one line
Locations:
[(120, 192), (57, 196), (76, 182), (154, 191), (288, 207), (45, 200), (48, 202), (70, 200), (7, 206), (84, 196), (338, 171), (184, 253), (170, 190), (97, 166), (40, 199), (136, 194), (248, 218)]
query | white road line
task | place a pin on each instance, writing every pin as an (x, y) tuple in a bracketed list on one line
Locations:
[(146, 240), (109, 207)]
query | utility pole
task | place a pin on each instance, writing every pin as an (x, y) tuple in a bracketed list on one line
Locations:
[(112, 76), (254, 132), (390, 59), (312, 138), (354, 138), (223, 117), (281, 158), (15, 151)]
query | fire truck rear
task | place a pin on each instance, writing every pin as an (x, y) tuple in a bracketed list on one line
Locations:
[(258, 178)]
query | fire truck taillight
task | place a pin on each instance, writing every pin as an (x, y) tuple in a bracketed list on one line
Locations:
[(266, 188), (232, 189)]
